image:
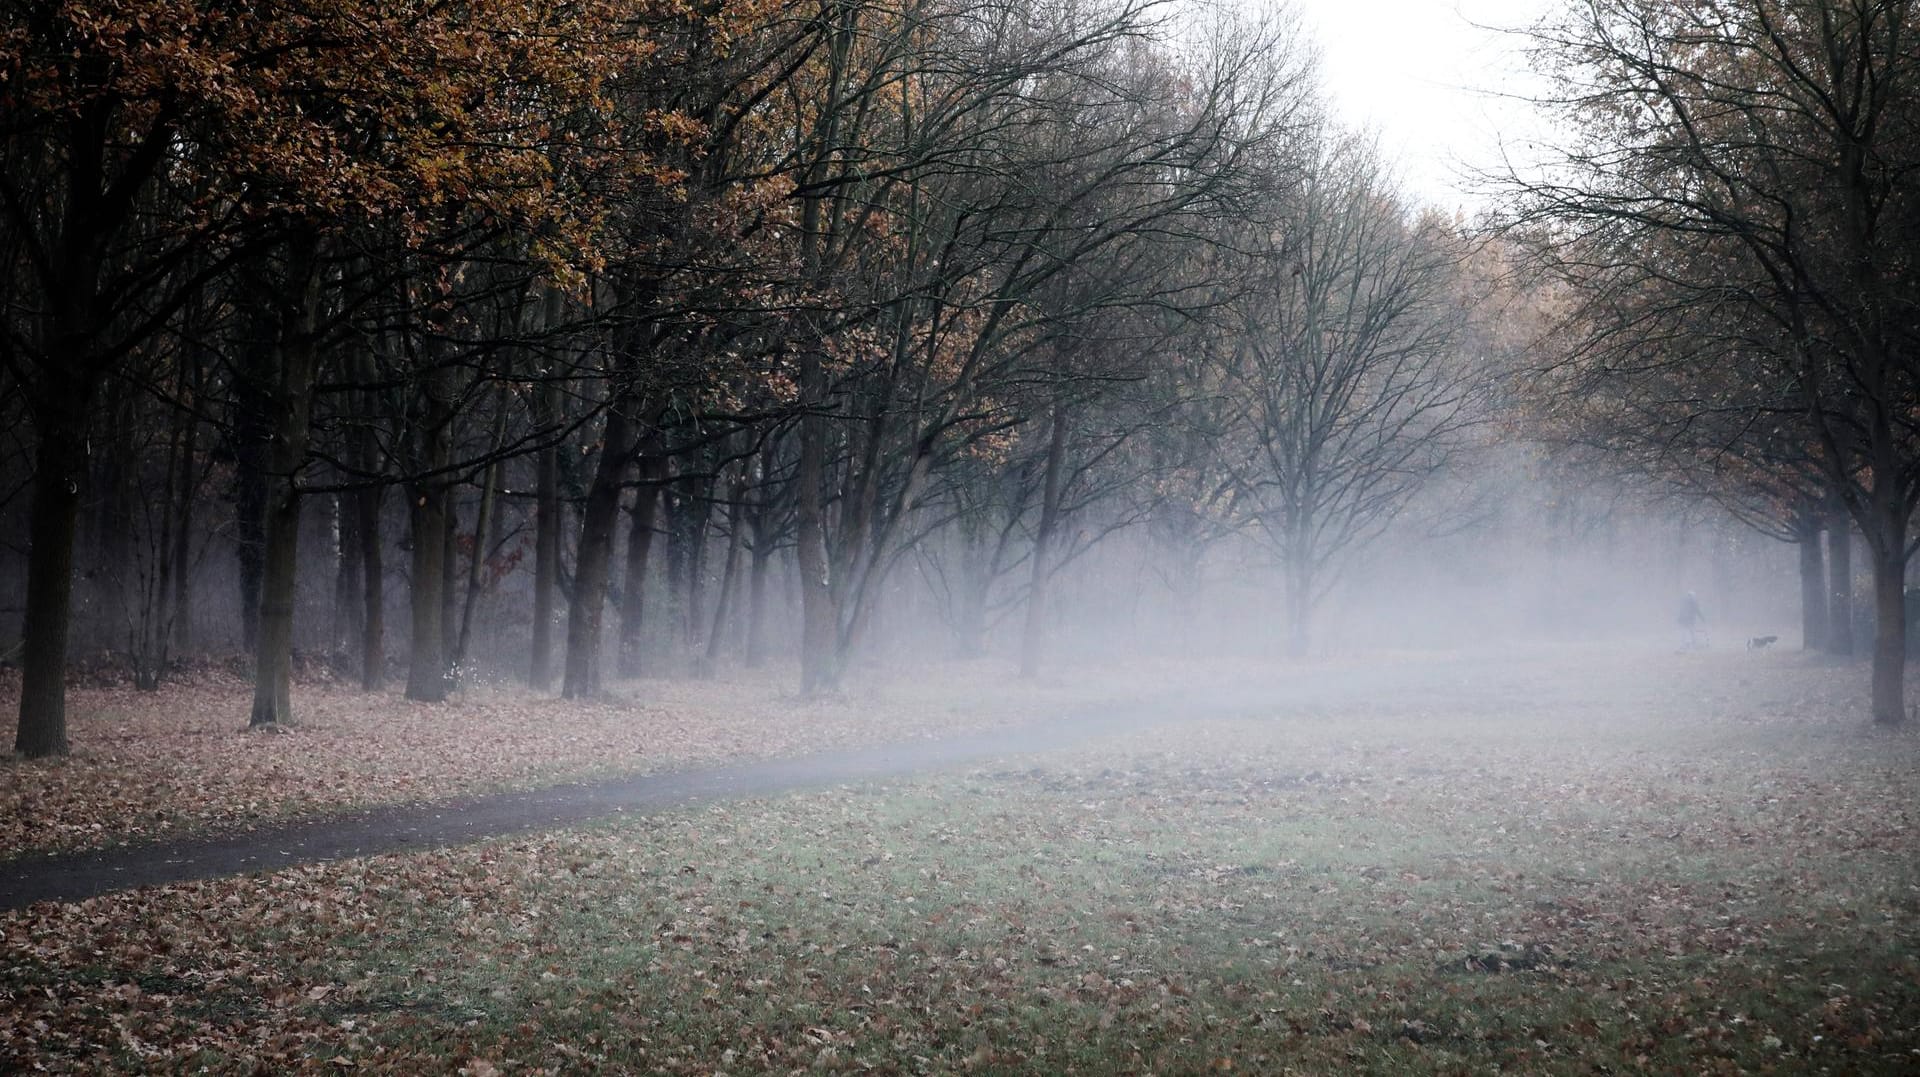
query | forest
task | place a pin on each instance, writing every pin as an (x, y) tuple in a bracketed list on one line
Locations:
[(575, 342), (928, 536)]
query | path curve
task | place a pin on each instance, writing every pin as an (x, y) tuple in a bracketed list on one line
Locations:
[(434, 824)]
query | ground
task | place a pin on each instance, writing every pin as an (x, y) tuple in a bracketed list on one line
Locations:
[(149, 765), (1580, 861)]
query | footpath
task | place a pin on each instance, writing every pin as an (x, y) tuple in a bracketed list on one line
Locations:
[(439, 823)]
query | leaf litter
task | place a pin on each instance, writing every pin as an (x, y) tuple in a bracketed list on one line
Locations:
[(1453, 887)]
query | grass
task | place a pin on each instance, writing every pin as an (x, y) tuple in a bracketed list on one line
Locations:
[(1708, 867), (177, 762)]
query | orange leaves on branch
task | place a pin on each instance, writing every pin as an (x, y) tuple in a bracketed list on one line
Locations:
[(343, 110)]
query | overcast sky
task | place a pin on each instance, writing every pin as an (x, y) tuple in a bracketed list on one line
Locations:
[(1419, 74)]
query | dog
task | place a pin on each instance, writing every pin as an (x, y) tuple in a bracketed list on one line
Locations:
[(1761, 643)]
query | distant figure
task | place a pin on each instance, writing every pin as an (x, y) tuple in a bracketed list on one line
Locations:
[(1761, 643), (1692, 623)]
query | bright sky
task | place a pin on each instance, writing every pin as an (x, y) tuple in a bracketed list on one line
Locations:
[(1421, 75)]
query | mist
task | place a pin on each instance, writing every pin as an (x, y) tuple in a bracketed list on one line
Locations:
[(935, 536), (1502, 552)]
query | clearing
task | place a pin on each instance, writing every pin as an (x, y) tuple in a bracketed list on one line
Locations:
[(1564, 861)]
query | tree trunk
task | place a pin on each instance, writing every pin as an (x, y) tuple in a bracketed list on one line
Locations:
[(156, 627), (180, 621), (1299, 599), (450, 586), (690, 523), (71, 248), (273, 657), (1033, 640), (489, 492), (970, 619), (363, 447), (1813, 583), (60, 467), (292, 406), (252, 437), (349, 585), (757, 589), (980, 558), (432, 494), (858, 604), (250, 546), (427, 658), (1840, 581), (697, 506), (373, 621), (115, 593), (546, 541), (595, 552), (819, 612), (673, 532), (642, 522), (818, 615), (1888, 511), (717, 631), (1890, 630)]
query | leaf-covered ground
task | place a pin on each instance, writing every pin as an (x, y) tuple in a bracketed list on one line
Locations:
[(150, 765), (1672, 866)]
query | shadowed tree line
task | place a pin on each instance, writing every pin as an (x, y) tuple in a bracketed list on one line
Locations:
[(579, 340), (1732, 226)]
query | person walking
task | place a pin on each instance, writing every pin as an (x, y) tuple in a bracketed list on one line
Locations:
[(1693, 623)]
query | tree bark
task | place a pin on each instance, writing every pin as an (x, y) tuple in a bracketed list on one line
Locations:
[(60, 467), (857, 603), (546, 540), (116, 591), (489, 492), (695, 508), (363, 447), (252, 437), (108, 157), (292, 406), (349, 585), (642, 522), (156, 626), (426, 590), (595, 552), (432, 493), (1839, 581), (757, 587), (729, 572), (450, 586), (373, 621), (1813, 583), (180, 621), (427, 657), (1034, 639), (1889, 509), (970, 618), (819, 617), (1299, 598), (1890, 635)]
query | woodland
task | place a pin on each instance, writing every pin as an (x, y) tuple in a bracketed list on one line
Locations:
[(405, 404), (437, 339)]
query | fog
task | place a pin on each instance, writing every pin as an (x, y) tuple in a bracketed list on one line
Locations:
[(1032, 335), (1506, 553), (952, 536)]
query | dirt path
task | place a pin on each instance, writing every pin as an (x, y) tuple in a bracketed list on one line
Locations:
[(428, 825), (1497, 684)]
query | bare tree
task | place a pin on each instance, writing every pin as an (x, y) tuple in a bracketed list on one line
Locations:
[(1752, 163), (1347, 389)]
